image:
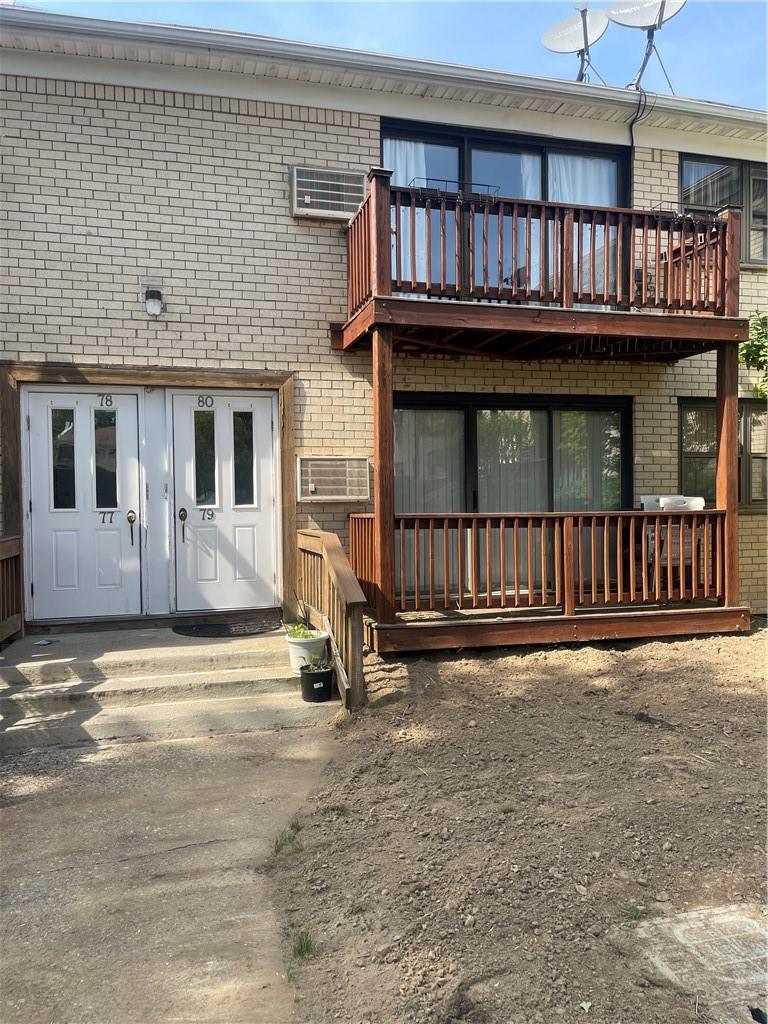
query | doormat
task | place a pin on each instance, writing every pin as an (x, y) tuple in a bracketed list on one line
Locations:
[(717, 956), (223, 630)]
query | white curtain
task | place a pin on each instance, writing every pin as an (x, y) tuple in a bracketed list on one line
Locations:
[(587, 181), (407, 158), (584, 180), (429, 460)]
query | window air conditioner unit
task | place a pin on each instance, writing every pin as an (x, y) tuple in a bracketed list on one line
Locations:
[(333, 478), (325, 193)]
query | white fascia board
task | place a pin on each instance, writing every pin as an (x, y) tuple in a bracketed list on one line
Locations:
[(274, 90), (142, 75)]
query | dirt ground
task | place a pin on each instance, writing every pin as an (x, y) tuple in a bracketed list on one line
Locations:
[(494, 826)]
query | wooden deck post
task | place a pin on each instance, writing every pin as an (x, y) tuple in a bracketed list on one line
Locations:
[(727, 464), (381, 233), (383, 475), (732, 261), (566, 283)]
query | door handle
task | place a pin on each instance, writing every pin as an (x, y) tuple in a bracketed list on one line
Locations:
[(131, 517), (183, 520)]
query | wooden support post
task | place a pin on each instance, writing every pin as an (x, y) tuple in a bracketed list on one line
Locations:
[(731, 261), (381, 232), (569, 581), (383, 475), (727, 465)]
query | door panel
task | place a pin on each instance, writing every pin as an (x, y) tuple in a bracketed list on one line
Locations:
[(84, 482), (224, 501)]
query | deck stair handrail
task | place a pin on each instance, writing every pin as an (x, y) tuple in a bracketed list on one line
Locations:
[(331, 594), (549, 560), (478, 246), (11, 599)]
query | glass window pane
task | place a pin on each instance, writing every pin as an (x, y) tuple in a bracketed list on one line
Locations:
[(699, 430), (587, 460), (759, 489), (514, 175), (63, 457), (698, 477), (586, 180), (512, 460), (710, 184), (758, 224), (105, 456), (428, 164), (205, 457), (242, 444), (429, 460), (758, 431)]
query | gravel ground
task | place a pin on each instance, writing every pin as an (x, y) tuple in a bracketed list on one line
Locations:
[(494, 826)]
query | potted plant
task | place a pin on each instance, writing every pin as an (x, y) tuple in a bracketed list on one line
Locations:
[(317, 679), (304, 641)]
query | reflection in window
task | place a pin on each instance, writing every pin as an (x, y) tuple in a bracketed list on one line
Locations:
[(758, 448), (105, 456), (511, 460), (205, 457), (710, 184), (758, 220), (242, 447), (698, 447), (63, 457), (587, 460)]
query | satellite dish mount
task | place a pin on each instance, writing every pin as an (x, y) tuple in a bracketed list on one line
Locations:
[(576, 34), (583, 53), (650, 49)]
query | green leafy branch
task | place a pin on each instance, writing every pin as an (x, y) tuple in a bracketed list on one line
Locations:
[(754, 353)]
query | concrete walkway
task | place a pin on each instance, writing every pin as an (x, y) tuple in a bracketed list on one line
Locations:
[(134, 878)]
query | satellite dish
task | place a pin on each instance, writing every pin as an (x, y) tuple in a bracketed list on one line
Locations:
[(648, 15), (645, 14), (575, 35)]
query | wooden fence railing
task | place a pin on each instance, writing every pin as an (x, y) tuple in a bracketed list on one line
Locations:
[(329, 590), (548, 560), (11, 600), (481, 247)]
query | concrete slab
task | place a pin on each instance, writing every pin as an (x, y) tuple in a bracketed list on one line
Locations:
[(134, 879), (90, 657), (718, 953)]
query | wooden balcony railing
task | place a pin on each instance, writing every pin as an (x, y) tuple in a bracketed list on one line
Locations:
[(332, 596), (11, 607), (449, 245), (548, 560)]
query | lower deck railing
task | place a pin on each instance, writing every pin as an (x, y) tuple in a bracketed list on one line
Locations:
[(11, 610), (548, 560), (334, 601)]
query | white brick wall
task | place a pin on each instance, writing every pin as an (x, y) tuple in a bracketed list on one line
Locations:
[(110, 187)]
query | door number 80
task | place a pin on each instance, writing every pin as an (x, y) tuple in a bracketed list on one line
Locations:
[(205, 401)]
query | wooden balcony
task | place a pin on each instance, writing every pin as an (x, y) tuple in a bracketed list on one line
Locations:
[(478, 580), (474, 274)]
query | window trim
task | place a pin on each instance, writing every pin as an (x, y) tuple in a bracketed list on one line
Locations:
[(746, 169), (514, 142), (471, 401), (746, 504)]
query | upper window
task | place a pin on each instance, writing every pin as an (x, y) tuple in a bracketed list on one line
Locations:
[(709, 184), (698, 448), (506, 165)]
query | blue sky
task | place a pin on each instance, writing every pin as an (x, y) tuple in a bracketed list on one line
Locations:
[(713, 49)]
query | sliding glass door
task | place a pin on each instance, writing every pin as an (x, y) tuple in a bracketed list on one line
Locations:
[(511, 456)]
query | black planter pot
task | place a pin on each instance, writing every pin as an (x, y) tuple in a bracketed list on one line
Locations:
[(316, 687)]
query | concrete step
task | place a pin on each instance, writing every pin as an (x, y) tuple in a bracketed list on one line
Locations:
[(89, 657), (43, 698), (172, 720)]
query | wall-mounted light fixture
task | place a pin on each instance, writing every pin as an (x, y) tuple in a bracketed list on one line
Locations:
[(153, 299)]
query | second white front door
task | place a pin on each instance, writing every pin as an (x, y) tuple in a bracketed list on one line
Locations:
[(224, 501)]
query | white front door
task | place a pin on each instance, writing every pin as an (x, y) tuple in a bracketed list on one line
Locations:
[(224, 484), (85, 511)]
